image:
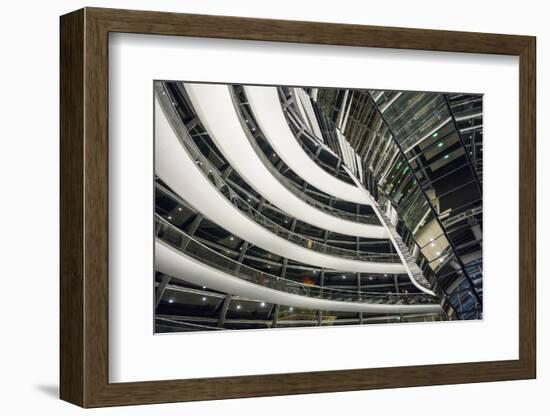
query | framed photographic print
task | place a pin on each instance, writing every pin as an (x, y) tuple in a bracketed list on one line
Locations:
[(259, 207)]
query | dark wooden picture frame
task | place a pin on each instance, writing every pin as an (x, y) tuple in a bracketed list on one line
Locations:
[(84, 207)]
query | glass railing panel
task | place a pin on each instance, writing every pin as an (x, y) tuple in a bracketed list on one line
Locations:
[(310, 143), (292, 236), (419, 185), (244, 206), (248, 122), (192, 248)]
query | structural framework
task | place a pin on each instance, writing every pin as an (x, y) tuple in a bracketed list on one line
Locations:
[(292, 207)]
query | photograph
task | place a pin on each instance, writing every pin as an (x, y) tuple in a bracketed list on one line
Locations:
[(266, 208), (285, 206)]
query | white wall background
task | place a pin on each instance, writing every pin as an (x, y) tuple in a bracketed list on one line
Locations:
[(29, 159)]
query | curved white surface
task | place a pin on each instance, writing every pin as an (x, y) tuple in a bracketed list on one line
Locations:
[(178, 170), (176, 264), (271, 119), (214, 106)]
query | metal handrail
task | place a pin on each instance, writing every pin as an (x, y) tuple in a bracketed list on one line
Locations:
[(216, 178), (288, 235), (179, 240), (443, 108), (248, 121), (298, 128)]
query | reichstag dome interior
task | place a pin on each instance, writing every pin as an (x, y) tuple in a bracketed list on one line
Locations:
[(285, 207)]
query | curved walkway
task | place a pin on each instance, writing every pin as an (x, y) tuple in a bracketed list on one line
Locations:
[(174, 263), (180, 173), (267, 110), (214, 105)]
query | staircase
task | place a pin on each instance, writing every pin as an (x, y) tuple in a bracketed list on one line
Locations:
[(379, 202), (415, 271)]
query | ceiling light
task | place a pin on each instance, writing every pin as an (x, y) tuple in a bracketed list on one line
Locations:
[(262, 304), (169, 217), (434, 135), (179, 209), (204, 299), (446, 157), (433, 245), (231, 238), (238, 306), (291, 309), (440, 144), (438, 253), (170, 300)]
